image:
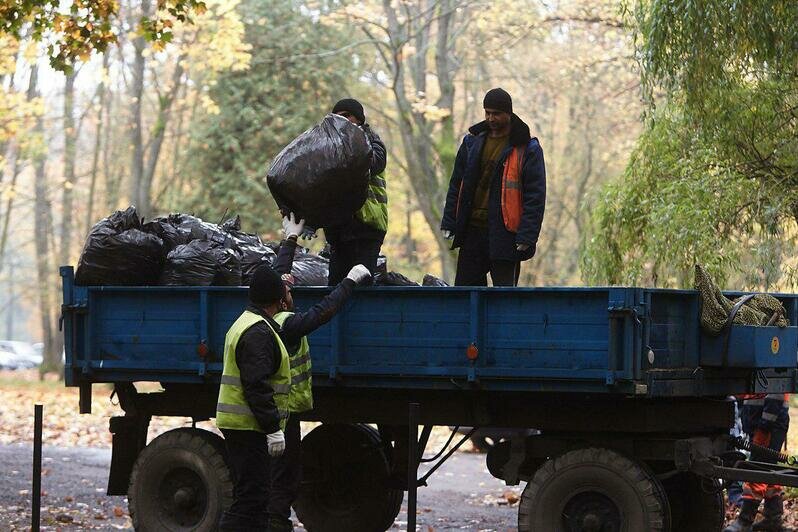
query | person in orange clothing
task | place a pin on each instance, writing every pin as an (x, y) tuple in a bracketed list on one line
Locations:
[(765, 419)]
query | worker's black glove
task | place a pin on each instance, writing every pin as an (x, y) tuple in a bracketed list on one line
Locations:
[(308, 233)]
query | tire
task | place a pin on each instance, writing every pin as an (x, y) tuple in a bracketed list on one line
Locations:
[(345, 470), (180, 482), (593, 489), (696, 504)]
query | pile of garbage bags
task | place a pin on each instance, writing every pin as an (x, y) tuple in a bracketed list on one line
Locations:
[(183, 250), (322, 175), (178, 249)]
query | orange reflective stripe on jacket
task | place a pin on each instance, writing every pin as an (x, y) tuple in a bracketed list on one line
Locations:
[(512, 199)]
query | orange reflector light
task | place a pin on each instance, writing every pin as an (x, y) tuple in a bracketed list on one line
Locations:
[(472, 352), (202, 350)]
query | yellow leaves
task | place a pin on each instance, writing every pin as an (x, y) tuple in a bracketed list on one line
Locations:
[(219, 43), (31, 52), (431, 112), (8, 49), (209, 105), (8, 192)]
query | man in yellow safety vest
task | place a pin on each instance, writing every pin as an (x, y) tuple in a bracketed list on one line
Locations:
[(254, 406)]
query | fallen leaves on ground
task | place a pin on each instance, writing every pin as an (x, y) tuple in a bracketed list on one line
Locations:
[(63, 426)]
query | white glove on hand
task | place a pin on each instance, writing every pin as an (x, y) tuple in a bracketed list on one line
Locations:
[(292, 228), (448, 235), (521, 247), (359, 273), (276, 442)]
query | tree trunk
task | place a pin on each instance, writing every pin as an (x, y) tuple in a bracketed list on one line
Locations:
[(97, 145), (159, 131), (42, 216), (424, 168), (70, 142), (110, 156), (137, 197), (15, 171)]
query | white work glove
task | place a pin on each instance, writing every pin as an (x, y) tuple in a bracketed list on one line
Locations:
[(448, 235), (276, 442), (359, 273), (292, 228)]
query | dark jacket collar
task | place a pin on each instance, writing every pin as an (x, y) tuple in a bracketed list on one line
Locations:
[(260, 312), (519, 131)]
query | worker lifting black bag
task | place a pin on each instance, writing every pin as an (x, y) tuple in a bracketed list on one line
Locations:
[(118, 252), (322, 175)]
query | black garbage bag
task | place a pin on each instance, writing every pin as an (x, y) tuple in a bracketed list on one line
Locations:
[(253, 256), (198, 229), (228, 272), (310, 270), (202, 263), (322, 175), (392, 279), (431, 280), (240, 238), (118, 252), (171, 235)]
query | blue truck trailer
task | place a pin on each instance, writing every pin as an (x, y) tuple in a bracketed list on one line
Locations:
[(629, 398)]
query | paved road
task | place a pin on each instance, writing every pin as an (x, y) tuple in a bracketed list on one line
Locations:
[(461, 495)]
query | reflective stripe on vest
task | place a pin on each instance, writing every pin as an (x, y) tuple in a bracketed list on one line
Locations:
[(232, 410), (375, 211), (512, 198), (300, 398)]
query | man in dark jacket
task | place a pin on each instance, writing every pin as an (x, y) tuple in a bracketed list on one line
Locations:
[(497, 195), (359, 240), (253, 396)]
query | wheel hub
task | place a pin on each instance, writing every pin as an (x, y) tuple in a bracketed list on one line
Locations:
[(184, 497), (591, 512)]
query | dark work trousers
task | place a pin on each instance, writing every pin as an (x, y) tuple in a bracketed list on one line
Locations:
[(474, 264), (248, 457), (286, 473), (349, 253)]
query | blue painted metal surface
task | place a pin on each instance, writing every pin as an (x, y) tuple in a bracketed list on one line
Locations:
[(607, 340)]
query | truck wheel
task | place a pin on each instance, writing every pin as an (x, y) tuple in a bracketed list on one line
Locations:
[(180, 482), (592, 489), (696, 504), (345, 472)]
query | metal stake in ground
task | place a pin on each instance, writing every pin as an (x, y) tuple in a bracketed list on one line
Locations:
[(36, 499), (412, 466)]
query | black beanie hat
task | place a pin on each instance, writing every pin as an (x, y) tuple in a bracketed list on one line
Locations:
[(351, 105), (266, 286), (498, 99)]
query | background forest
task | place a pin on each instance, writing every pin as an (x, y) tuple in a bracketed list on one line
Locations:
[(669, 130)]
